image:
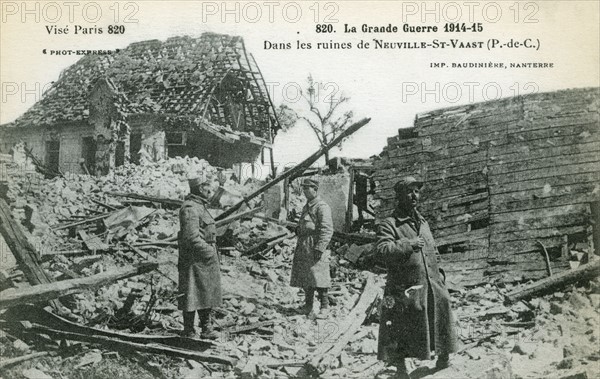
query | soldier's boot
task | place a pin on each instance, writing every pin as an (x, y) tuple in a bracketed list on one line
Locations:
[(208, 331), (309, 300), (443, 361), (189, 330), (402, 370), (324, 300)]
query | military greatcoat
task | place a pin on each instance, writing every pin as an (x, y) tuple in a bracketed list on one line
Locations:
[(314, 231), (416, 309), (199, 271)]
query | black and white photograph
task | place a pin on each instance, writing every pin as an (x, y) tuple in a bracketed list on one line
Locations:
[(300, 189)]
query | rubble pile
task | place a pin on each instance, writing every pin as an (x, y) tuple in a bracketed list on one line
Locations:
[(551, 336)]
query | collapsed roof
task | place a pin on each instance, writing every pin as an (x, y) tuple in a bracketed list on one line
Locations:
[(182, 76)]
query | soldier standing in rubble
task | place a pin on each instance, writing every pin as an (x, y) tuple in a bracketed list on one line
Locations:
[(199, 270), (310, 268), (416, 310)]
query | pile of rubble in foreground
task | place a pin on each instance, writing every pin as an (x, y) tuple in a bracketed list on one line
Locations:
[(84, 226)]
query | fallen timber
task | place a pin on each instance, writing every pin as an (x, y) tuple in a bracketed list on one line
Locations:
[(296, 169), (23, 358), (347, 329), (49, 291), (46, 318), (161, 200), (126, 346), (584, 272), (25, 253)]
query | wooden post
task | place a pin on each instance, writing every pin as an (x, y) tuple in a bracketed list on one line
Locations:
[(350, 210), (595, 208)]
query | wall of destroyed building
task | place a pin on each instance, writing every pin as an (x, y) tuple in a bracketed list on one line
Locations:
[(60, 147), (82, 148), (506, 182)]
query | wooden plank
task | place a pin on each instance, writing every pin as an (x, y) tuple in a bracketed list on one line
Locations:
[(5, 362), (469, 122), (528, 234), (474, 235), (547, 172), (454, 171), (508, 273), (584, 272), (458, 266), (546, 202), (126, 346), (346, 330), (581, 118), (541, 132), (550, 161), (24, 252), (465, 218), (518, 223), (49, 319), (476, 254), (487, 135), (554, 181), (544, 193), (92, 242), (503, 249), (518, 151), (538, 213), (438, 214), (466, 159), (49, 291)]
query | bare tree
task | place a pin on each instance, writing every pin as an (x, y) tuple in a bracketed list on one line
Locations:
[(323, 113)]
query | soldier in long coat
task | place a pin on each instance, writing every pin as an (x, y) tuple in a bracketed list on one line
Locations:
[(199, 270), (310, 267), (416, 309)]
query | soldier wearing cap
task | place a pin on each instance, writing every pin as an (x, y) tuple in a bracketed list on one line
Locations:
[(310, 268), (199, 271), (416, 315)]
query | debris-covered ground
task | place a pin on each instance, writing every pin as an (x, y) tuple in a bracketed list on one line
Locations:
[(554, 336)]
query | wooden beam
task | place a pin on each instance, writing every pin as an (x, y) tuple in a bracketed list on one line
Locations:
[(5, 362), (160, 200), (44, 317), (347, 329), (296, 169), (24, 252), (584, 272), (49, 291), (117, 344)]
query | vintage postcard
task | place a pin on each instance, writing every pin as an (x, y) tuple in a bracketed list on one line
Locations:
[(295, 189)]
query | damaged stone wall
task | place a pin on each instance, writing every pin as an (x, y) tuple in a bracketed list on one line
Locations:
[(111, 129), (502, 178), (69, 136)]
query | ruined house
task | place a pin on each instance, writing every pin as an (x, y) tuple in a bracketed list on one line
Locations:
[(512, 186), (201, 97)]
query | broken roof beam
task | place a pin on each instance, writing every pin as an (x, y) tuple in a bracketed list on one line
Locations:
[(24, 252), (49, 291), (346, 330), (298, 168), (584, 272), (117, 344), (160, 200)]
